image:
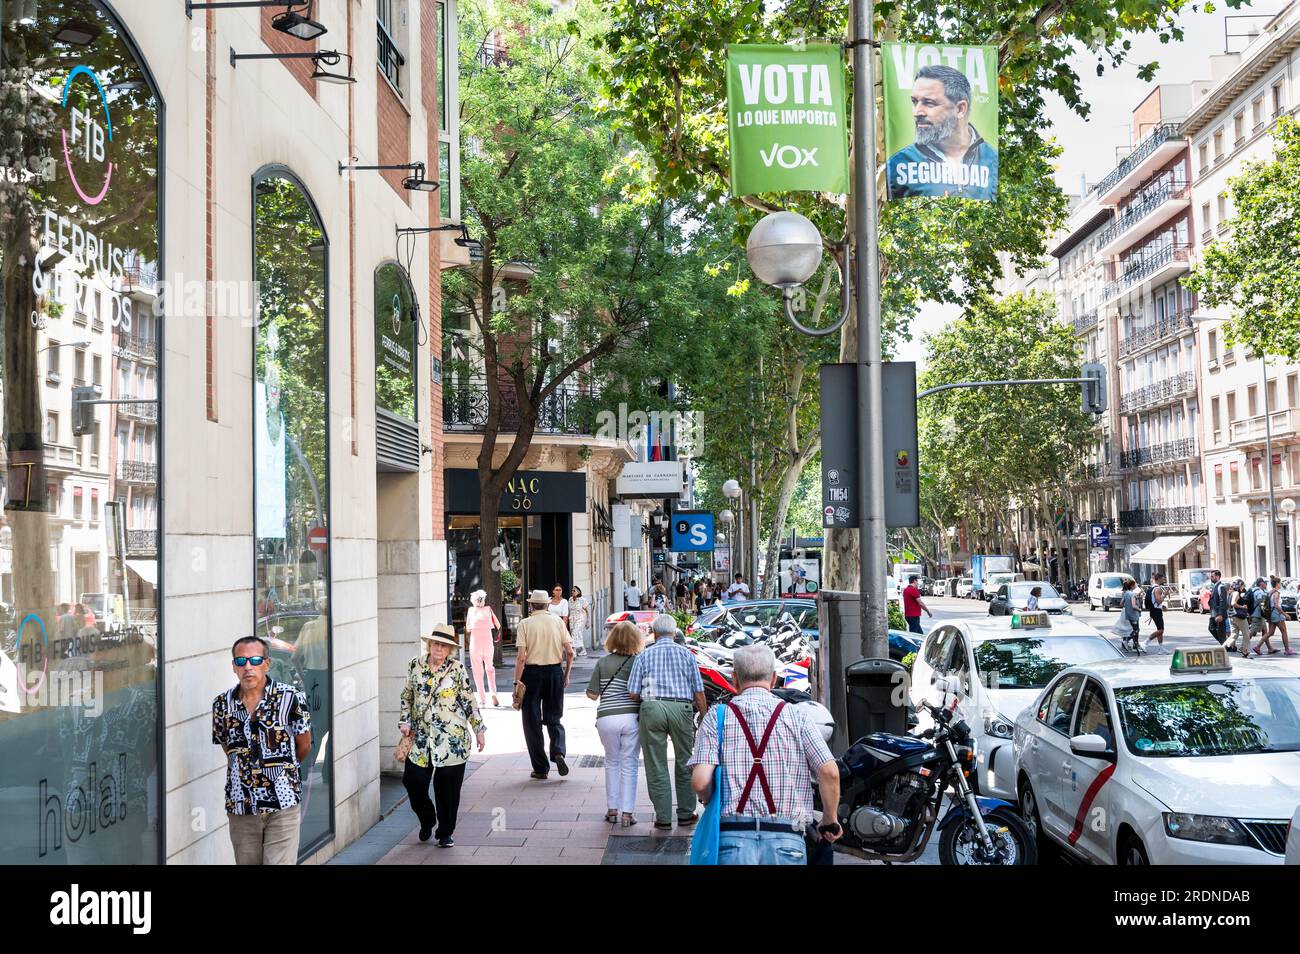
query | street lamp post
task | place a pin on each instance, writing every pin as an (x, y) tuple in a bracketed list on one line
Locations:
[(784, 250)]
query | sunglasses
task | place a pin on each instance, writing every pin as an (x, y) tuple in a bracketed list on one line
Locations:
[(242, 661)]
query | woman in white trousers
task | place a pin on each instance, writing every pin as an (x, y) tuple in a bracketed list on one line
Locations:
[(617, 721)]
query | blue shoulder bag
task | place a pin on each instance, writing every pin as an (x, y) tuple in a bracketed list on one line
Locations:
[(708, 831)]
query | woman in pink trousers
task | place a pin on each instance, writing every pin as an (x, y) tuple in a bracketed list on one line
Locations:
[(480, 621)]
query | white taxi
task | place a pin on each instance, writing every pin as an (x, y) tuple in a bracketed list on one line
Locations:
[(1189, 759), (1001, 664)]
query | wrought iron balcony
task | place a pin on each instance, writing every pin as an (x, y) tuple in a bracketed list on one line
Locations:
[(1084, 322), (146, 411), (142, 541), (390, 60), (1142, 267), (137, 472), (1091, 472), (570, 409), (1146, 203), (489, 56), (134, 346), (1159, 137), (1168, 452), (1153, 517), (1161, 392), (1155, 333)]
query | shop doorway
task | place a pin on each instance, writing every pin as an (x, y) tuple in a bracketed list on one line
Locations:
[(535, 552)]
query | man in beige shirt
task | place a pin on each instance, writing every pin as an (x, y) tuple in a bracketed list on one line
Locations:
[(541, 642)]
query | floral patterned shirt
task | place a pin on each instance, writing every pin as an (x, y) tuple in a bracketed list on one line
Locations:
[(438, 705), (263, 763)]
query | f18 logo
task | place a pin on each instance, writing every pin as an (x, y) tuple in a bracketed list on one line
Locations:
[(87, 136)]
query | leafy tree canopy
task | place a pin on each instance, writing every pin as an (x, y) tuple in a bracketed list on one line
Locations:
[(1255, 270)]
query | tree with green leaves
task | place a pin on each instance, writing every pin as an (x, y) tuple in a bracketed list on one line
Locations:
[(1255, 270), (984, 448), (585, 282), (668, 87)]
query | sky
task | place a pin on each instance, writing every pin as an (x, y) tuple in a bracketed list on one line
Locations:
[(1090, 146)]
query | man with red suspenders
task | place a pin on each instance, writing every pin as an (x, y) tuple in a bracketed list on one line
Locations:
[(769, 753)]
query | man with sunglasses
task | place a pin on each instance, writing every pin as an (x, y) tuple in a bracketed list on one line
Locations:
[(264, 727)]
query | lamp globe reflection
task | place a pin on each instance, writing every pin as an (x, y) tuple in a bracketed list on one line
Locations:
[(784, 249)]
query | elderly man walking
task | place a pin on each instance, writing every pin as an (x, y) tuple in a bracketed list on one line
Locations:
[(665, 681), (542, 643), (770, 752)]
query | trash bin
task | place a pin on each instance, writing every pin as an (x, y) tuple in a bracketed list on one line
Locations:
[(858, 692), (876, 691)]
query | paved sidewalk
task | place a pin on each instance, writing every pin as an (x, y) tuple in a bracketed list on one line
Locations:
[(508, 818)]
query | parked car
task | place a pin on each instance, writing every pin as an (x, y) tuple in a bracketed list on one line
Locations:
[(1105, 590), (902, 643), (1015, 596), (642, 618), (1290, 594), (964, 588)]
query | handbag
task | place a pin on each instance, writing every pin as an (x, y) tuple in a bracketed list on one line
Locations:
[(517, 696), (708, 830), (404, 745)]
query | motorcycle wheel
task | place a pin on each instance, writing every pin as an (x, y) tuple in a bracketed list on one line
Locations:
[(1013, 843)]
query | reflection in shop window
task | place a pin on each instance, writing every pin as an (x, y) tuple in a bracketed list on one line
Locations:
[(79, 627), (291, 470)]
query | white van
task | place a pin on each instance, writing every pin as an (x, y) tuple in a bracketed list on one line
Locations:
[(1105, 590), (1190, 584)]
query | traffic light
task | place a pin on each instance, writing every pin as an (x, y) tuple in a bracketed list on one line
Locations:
[(1094, 390), (83, 409)]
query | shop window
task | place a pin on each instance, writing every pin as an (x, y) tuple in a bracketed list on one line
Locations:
[(291, 475), (80, 778)]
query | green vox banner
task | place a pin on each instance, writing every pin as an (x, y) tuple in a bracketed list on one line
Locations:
[(941, 120), (785, 112)]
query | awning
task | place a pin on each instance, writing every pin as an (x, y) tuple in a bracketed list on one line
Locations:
[(1162, 549), (147, 570)]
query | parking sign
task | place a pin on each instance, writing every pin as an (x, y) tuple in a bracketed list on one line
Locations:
[(692, 531), (1099, 536)]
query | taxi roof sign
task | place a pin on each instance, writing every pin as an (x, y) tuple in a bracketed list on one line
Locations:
[(1200, 661), (1030, 621)]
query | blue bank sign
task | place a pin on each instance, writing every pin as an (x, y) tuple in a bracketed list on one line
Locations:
[(692, 531)]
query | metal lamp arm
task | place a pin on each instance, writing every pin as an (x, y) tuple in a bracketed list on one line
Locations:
[(787, 295)]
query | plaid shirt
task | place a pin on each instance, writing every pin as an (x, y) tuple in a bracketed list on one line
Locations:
[(795, 754), (665, 670)]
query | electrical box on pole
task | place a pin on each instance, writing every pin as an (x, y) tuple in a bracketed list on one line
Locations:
[(1094, 388)]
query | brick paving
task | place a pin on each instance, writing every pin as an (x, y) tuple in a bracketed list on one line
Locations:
[(508, 818)]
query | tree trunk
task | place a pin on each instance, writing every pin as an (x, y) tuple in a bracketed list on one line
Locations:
[(789, 481)]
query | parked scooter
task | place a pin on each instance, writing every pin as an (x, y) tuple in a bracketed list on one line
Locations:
[(892, 790)]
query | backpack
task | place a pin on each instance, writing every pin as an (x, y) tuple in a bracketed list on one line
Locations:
[(1257, 600), (1248, 601)]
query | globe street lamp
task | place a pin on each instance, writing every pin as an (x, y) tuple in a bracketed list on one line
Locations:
[(728, 519)]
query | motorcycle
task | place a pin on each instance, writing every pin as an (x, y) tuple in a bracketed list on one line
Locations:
[(892, 789)]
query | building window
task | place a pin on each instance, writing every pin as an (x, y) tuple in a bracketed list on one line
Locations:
[(1293, 390), (1218, 145), (1278, 102), (1252, 399), (448, 120), (389, 58), (1239, 128), (1212, 346), (291, 466), (51, 428), (1257, 114), (1203, 158), (77, 494)]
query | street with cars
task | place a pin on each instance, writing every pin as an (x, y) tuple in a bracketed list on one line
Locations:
[(1186, 756)]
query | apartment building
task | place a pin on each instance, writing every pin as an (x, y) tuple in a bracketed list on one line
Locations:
[(1252, 403)]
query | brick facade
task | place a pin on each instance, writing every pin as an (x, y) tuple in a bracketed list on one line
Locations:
[(394, 124), (278, 42)]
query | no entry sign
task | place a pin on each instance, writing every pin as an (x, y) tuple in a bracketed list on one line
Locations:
[(318, 538)]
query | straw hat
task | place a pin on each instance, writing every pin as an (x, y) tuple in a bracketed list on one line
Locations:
[(442, 633)]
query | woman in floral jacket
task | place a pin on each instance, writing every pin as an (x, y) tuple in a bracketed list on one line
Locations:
[(438, 711)]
